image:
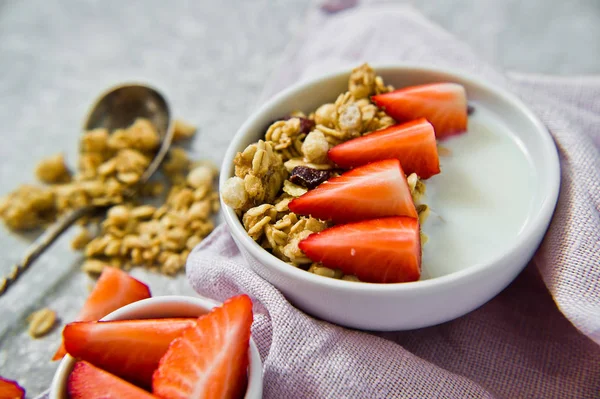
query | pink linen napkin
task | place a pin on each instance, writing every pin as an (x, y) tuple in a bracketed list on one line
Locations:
[(518, 345)]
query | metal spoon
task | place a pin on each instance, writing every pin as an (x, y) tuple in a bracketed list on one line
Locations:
[(118, 107)]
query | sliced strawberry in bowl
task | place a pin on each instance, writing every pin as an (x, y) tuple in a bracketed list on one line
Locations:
[(130, 349), (444, 105), (114, 289), (87, 381), (374, 190), (10, 389), (386, 250), (412, 143), (210, 359)]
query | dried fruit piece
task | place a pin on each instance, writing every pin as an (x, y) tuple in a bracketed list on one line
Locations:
[(308, 177), (41, 322)]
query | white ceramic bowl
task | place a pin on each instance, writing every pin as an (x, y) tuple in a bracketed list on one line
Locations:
[(162, 307), (425, 302)]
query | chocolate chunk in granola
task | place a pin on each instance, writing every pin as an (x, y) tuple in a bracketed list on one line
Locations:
[(308, 177)]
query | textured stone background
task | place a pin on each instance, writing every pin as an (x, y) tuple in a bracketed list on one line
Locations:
[(211, 59)]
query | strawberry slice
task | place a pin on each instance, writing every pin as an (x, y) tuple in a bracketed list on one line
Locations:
[(130, 349), (10, 389), (442, 104), (371, 191), (210, 359), (114, 289), (412, 143), (386, 250), (89, 382)]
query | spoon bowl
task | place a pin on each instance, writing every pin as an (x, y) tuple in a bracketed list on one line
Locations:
[(120, 106)]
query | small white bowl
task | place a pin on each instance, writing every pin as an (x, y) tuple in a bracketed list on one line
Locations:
[(162, 307), (427, 302)]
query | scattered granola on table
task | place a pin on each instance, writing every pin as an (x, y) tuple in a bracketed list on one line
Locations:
[(158, 236), (292, 159), (41, 322)]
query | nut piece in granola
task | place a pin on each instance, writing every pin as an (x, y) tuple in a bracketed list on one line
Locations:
[(315, 147), (234, 193), (41, 322), (349, 117)]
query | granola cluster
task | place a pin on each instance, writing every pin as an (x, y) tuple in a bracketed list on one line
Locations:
[(295, 154), (133, 233)]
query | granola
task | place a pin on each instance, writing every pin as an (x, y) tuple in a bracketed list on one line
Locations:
[(41, 322), (293, 159), (132, 233)]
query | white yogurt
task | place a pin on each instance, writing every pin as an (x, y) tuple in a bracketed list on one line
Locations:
[(480, 200)]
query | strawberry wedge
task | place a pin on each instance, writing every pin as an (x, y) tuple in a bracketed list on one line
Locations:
[(130, 349), (386, 250), (89, 382), (444, 105), (114, 289), (210, 359), (10, 389), (412, 143), (371, 191)]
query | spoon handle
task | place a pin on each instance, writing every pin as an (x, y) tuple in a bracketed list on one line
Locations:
[(41, 244)]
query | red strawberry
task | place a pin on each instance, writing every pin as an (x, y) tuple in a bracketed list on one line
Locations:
[(412, 143), (10, 389), (114, 289), (210, 359), (89, 382), (130, 349), (386, 250), (442, 104), (375, 190)]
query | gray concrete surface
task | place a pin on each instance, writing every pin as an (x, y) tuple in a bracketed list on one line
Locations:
[(211, 58)]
